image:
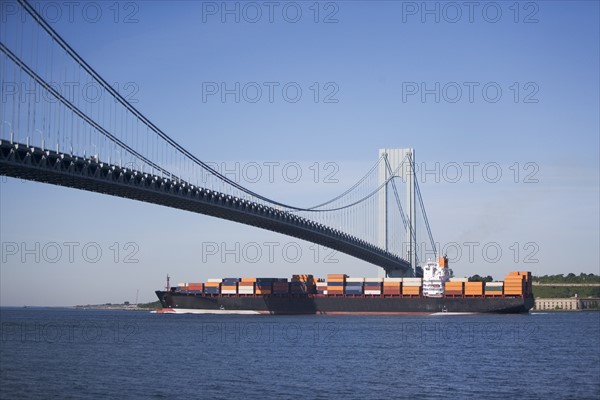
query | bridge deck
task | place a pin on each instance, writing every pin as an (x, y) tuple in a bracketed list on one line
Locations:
[(32, 163)]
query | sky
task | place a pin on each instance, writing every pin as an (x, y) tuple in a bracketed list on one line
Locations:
[(500, 103)]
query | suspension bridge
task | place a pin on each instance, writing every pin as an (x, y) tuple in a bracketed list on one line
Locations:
[(106, 145)]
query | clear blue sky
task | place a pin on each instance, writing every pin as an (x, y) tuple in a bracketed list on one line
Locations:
[(372, 55)]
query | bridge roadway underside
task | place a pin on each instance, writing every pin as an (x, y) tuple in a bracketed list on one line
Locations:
[(20, 161)]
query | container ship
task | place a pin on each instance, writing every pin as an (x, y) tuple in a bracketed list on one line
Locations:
[(438, 291)]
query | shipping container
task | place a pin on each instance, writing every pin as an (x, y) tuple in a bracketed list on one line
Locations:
[(354, 292), (281, 288), (354, 284), (372, 286), (354, 280), (411, 290), (473, 288), (393, 279), (454, 288)]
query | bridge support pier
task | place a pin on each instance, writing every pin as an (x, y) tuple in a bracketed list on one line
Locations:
[(400, 161)]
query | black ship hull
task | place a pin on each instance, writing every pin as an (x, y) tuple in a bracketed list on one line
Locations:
[(316, 304)]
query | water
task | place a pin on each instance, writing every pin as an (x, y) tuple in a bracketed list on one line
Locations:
[(66, 353)]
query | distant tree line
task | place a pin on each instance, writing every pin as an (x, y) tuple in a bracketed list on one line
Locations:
[(560, 278), (570, 278), (566, 291), (477, 278)]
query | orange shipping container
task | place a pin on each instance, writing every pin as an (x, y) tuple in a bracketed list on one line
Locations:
[(411, 293), (411, 288)]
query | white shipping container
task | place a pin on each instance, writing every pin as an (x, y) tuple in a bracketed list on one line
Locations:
[(228, 291), (215, 280), (459, 279), (373, 279), (393, 279), (494, 284), (377, 292), (182, 284), (355, 279)]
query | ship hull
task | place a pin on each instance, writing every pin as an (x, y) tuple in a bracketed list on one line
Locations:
[(313, 304)]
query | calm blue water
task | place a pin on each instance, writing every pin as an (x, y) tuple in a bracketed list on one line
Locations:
[(64, 353)]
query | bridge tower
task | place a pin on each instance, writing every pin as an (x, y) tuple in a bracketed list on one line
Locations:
[(400, 161)]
